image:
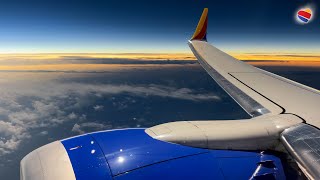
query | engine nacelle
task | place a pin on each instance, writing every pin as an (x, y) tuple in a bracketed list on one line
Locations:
[(133, 154)]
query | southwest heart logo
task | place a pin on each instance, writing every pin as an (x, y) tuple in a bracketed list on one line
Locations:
[(304, 15)]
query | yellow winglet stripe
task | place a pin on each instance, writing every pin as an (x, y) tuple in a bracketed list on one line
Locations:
[(201, 31)]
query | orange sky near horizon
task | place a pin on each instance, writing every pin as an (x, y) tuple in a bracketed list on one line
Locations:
[(162, 56), (60, 61)]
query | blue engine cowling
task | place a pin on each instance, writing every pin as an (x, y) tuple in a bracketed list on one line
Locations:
[(132, 154)]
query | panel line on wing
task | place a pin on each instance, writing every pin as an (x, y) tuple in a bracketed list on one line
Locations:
[(283, 110)]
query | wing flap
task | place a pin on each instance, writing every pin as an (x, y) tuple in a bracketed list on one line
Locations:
[(293, 97)]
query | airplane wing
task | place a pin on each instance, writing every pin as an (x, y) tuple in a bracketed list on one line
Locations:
[(257, 91), (284, 112)]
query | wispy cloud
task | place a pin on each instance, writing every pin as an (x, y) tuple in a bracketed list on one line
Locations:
[(87, 58), (98, 107), (93, 126), (73, 68)]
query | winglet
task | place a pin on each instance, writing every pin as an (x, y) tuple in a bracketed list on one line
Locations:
[(201, 31)]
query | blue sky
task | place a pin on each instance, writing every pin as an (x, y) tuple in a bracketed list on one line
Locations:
[(121, 26)]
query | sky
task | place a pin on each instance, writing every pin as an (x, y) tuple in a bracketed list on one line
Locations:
[(158, 26), (70, 67)]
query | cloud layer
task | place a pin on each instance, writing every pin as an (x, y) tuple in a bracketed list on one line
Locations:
[(45, 104)]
